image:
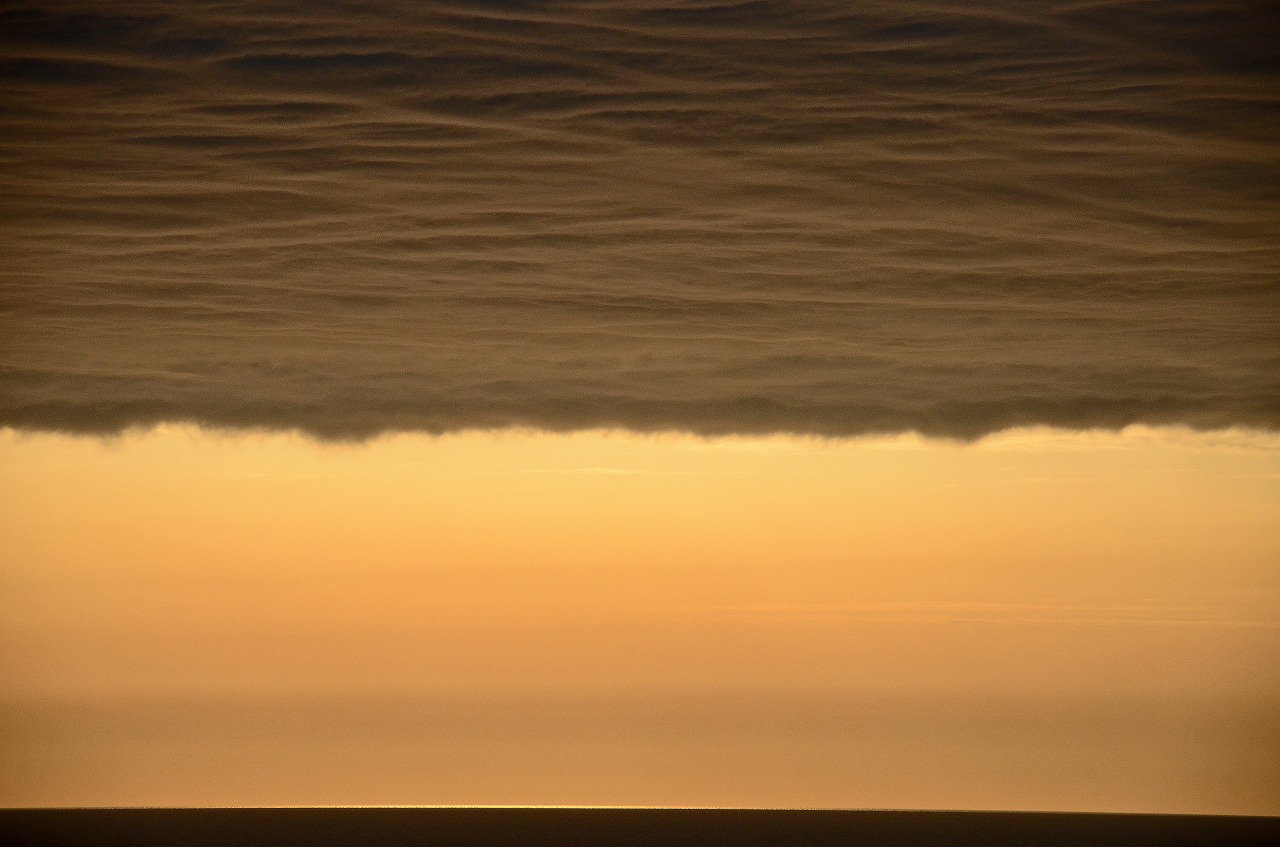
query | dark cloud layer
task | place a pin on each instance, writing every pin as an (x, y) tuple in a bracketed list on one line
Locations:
[(784, 215)]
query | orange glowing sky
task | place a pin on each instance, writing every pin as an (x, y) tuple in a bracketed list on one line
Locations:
[(601, 617)]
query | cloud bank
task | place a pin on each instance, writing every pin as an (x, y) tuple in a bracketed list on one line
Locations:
[(778, 216)]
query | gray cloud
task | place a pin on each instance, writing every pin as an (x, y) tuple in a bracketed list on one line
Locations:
[(804, 216)]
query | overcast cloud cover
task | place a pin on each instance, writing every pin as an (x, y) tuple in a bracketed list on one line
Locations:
[(788, 215)]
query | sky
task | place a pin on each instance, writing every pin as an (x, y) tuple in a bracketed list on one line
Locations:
[(641, 403)]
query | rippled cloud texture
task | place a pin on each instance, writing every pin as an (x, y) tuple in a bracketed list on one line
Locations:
[(787, 215)]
